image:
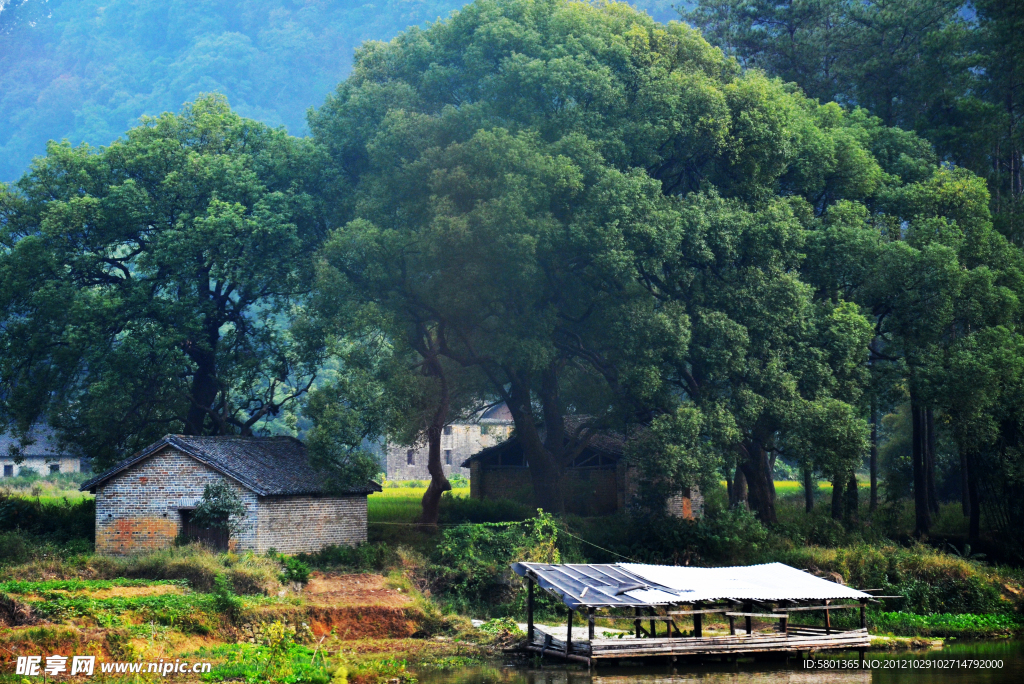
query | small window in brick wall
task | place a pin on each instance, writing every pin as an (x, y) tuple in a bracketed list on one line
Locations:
[(447, 456), (410, 457), (54, 468), (447, 429)]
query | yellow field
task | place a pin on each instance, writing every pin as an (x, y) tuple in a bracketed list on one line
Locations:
[(401, 504)]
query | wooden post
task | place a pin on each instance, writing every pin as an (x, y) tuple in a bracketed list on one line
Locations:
[(636, 622), (654, 630), (697, 624), (828, 619), (784, 622), (863, 615), (529, 610), (749, 608), (590, 623), (568, 634), (732, 625)]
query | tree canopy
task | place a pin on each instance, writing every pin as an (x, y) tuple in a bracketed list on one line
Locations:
[(151, 286), (609, 218)]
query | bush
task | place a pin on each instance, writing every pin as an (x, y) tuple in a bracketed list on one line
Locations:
[(57, 522), (470, 564), (372, 557), (224, 598), (248, 574), (295, 570), (459, 509)]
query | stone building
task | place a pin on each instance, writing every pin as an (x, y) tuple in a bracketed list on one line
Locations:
[(598, 482), (146, 501), (38, 452), (459, 441)]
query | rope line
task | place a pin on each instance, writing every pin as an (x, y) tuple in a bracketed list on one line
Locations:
[(498, 524)]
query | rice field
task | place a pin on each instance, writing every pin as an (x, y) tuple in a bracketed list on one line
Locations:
[(402, 504)]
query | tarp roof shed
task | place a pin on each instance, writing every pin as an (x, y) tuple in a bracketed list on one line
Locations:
[(625, 585)]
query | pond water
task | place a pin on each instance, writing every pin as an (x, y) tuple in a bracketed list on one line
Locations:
[(990, 662)]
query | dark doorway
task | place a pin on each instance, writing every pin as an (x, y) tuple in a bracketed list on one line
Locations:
[(8, 471), (214, 537)]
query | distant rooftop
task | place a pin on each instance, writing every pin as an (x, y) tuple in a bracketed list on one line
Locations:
[(44, 444)]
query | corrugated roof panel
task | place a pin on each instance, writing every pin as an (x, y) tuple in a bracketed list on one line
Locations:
[(768, 582), (635, 585)]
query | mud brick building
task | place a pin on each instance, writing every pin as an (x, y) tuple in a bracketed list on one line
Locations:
[(459, 441), (599, 481), (39, 451), (145, 502)]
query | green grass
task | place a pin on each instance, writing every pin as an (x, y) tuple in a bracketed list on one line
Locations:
[(946, 624), (25, 587)]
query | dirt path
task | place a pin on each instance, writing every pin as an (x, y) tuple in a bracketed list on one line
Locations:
[(353, 590)]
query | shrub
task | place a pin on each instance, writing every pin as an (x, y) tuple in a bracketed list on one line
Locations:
[(372, 557), (470, 564), (224, 598), (459, 509), (15, 547), (295, 570), (57, 522)]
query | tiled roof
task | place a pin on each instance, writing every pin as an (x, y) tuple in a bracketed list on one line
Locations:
[(604, 441), (44, 444), (269, 466)]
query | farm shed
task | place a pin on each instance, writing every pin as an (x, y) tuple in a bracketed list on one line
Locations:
[(599, 481), (144, 502), (664, 603)]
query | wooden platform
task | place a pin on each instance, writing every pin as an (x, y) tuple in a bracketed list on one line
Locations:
[(800, 639)]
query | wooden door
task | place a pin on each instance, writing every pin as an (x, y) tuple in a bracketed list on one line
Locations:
[(214, 537)]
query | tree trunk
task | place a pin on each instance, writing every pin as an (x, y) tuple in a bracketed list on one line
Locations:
[(974, 524), (873, 458), (965, 492), (852, 502), (729, 485), (203, 392), (439, 484), (739, 488), (837, 496), (933, 499), (544, 475), (760, 484), (809, 490), (919, 446)]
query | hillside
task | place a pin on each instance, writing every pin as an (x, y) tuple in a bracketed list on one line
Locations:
[(86, 71)]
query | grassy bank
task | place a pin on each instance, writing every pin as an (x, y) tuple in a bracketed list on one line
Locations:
[(246, 615)]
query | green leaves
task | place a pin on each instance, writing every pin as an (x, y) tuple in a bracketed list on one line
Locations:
[(149, 287)]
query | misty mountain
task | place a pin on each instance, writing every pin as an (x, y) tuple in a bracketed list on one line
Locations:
[(86, 70)]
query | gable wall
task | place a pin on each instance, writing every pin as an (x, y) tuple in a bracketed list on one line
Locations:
[(306, 524), (137, 510), (41, 464)]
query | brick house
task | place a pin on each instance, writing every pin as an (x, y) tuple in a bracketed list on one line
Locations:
[(459, 441), (599, 481), (39, 452), (144, 502)]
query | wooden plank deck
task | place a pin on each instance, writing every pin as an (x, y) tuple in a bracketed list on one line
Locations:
[(799, 639)]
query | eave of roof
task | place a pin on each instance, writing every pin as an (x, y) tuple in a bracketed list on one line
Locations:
[(173, 441)]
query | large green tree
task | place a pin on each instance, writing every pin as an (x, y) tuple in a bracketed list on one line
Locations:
[(609, 218), (152, 286), (948, 69)]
